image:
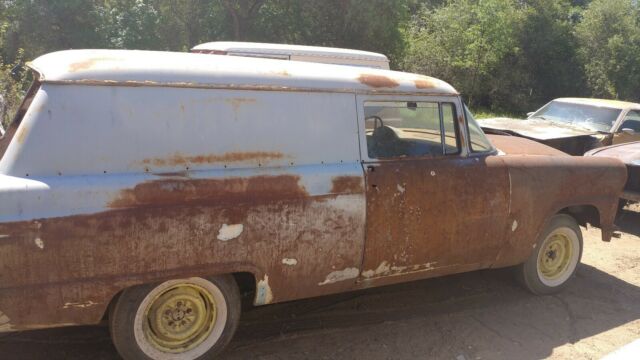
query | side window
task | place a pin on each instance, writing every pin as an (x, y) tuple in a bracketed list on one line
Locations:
[(451, 143), (631, 121), (410, 129), (477, 139)]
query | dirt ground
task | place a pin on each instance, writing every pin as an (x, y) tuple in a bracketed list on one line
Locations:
[(479, 315)]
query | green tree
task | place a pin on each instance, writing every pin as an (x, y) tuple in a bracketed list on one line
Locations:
[(609, 36), (464, 42), (546, 65)]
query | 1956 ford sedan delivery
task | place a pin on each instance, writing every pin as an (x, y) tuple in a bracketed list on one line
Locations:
[(149, 187)]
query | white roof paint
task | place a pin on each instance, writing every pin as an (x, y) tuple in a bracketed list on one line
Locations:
[(285, 49), (155, 68)]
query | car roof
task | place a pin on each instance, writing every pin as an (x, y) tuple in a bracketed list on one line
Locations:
[(286, 49), (177, 69), (615, 104)]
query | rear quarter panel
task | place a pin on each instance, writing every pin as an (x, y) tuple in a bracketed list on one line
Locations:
[(116, 186)]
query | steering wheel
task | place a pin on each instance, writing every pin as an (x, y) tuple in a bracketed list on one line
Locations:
[(377, 121)]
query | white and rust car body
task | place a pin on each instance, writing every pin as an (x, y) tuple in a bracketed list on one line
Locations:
[(130, 167)]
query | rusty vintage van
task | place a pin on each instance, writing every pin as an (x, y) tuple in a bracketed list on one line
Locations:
[(151, 188)]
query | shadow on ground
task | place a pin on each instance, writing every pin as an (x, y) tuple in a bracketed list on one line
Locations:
[(629, 221), (481, 314)]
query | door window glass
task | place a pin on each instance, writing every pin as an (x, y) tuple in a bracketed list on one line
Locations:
[(410, 129)]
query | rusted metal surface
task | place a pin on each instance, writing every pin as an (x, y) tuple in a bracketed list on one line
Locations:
[(630, 154), (573, 140), (415, 223), (424, 84), (541, 186), (519, 146), (167, 228), (148, 68), (155, 175), (538, 129), (572, 132), (230, 157), (377, 81)]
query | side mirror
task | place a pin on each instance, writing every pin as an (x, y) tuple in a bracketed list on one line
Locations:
[(628, 131), (530, 113)]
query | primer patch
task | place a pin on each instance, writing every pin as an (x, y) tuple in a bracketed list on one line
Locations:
[(289, 262), (5, 322), (229, 232), (80, 305), (341, 275), (263, 291)]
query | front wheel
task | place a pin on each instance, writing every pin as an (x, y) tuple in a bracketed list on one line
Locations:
[(555, 258), (187, 318)]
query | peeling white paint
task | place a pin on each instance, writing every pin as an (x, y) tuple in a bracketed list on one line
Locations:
[(290, 262), (82, 305), (39, 243), (229, 232), (263, 292), (385, 269), (514, 226), (382, 268), (341, 275), (401, 189), (433, 173), (5, 322)]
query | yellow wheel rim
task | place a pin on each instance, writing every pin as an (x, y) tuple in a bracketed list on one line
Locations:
[(555, 256), (179, 318)]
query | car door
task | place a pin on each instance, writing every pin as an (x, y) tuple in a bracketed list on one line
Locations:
[(629, 129), (432, 205)]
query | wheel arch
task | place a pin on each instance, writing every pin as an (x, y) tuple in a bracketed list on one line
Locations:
[(246, 280)]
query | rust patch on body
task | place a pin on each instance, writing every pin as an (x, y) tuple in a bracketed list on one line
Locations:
[(230, 157), (377, 81), (236, 103), (228, 191), (171, 229), (22, 134), (347, 185), (281, 73), (424, 84), (88, 64)]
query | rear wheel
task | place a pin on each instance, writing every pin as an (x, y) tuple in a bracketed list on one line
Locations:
[(555, 258), (188, 318)]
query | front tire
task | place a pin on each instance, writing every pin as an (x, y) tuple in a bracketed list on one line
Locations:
[(178, 319), (555, 258)]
